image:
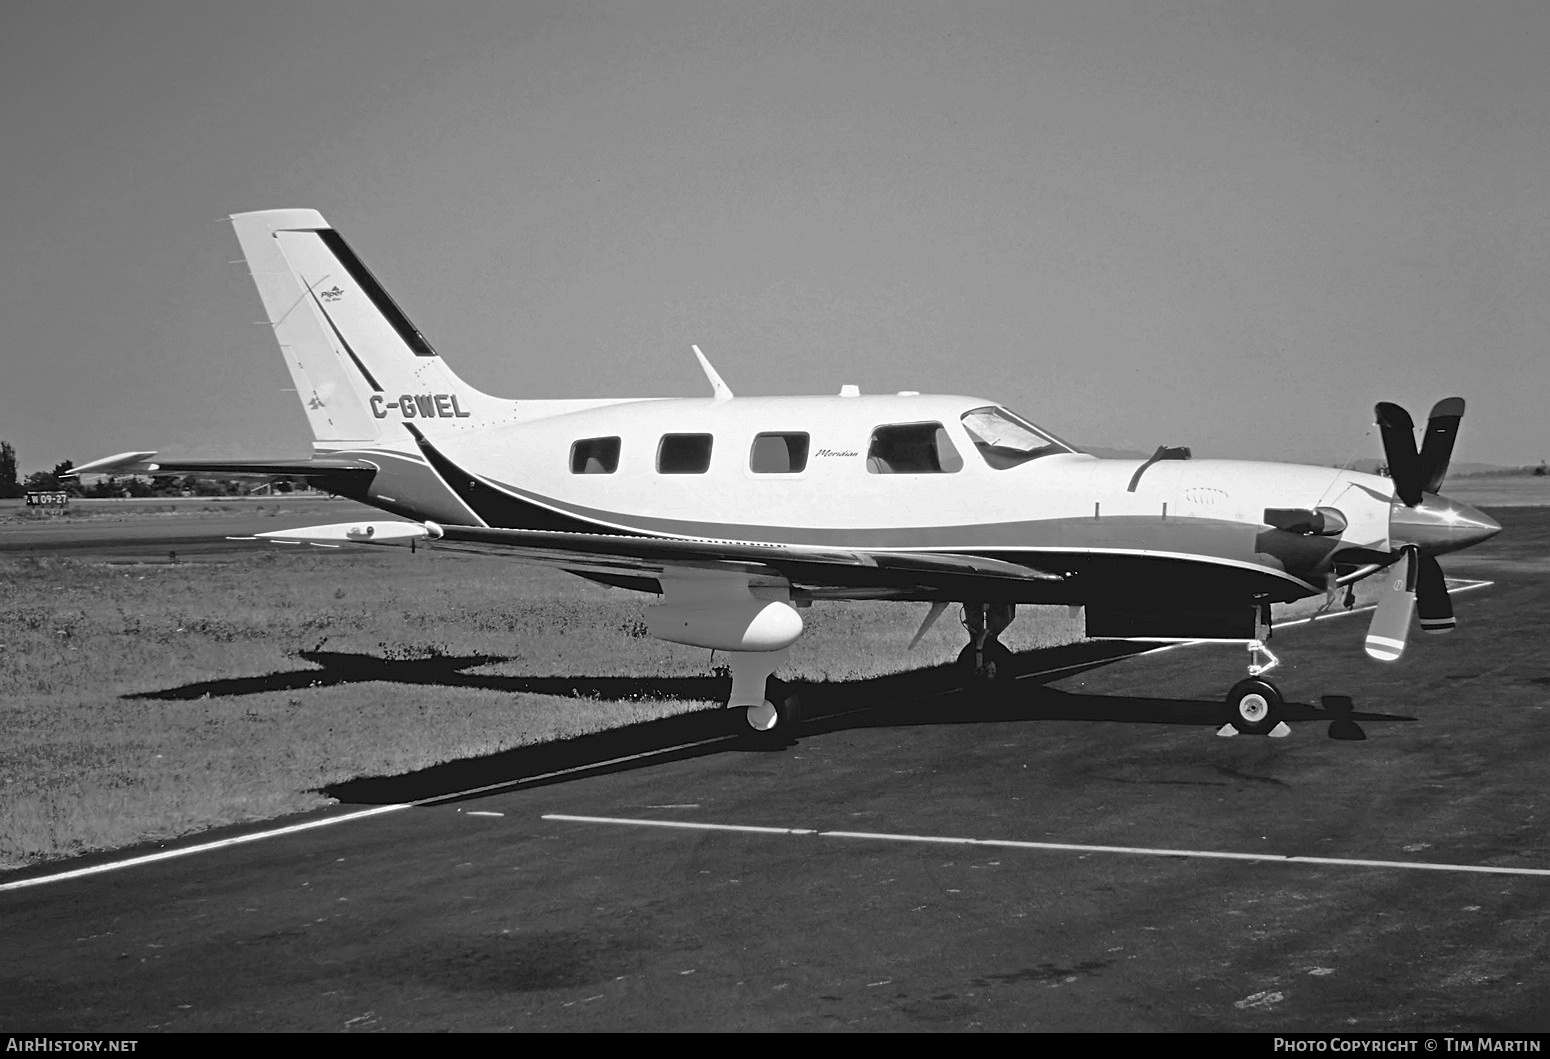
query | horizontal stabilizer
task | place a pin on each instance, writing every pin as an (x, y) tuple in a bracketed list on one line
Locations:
[(142, 463), (123, 463)]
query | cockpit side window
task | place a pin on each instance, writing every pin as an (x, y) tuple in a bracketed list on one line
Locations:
[(912, 448), (1007, 440)]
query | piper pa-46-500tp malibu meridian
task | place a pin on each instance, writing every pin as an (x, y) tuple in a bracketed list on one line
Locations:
[(741, 511)]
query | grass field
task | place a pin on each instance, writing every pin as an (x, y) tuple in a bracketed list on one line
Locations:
[(147, 700), (139, 508)]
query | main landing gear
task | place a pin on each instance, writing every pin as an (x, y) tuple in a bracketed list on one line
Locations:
[(986, 660), (1254, 705), (770, 709)]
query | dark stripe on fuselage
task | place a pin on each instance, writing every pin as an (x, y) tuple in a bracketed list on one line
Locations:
[(406, 485), (1115, 555), (379, 297), (1220, 538), (495, 506)]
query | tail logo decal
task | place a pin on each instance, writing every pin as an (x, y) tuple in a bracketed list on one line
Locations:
[(370, 379), (332, 295), (419, 406)]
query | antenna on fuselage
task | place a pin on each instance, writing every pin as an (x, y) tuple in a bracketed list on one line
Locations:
[(722, 391)]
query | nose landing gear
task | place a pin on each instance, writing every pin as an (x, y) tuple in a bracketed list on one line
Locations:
[(1254, 705)]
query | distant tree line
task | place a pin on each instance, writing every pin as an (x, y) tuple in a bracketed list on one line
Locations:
[(109, 486), (9, 486)]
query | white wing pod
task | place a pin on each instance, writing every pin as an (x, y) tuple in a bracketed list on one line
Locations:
[(756, 625), (722, 613)]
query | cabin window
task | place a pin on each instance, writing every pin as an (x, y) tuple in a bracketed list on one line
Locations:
[(912, 448), (1006, 440), (778, 454), (594, 456), (684, 454)]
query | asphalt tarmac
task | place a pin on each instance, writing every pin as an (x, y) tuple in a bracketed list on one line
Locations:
[(1132, 870)]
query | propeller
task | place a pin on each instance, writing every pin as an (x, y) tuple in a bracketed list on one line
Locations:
[(1390, 625), (1415, 473), (1415, 580), (1432, 601), (1398, 432), (1442, 427)]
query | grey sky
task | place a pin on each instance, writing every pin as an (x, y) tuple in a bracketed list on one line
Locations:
[(1229, 225)]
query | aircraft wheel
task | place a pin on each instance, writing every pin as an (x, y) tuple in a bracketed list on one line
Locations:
[(774, 718), (763, 717), (992, 666), (1253, 706)]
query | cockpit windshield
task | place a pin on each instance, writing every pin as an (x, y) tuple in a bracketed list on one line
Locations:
[(1006, 440)]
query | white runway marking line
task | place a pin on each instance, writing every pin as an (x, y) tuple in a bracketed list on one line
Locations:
[(1060, 847), (237, 840), (204, 847)]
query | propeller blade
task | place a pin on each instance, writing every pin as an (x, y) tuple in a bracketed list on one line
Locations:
[(1431, 597), (931, 616), (1398, 432), (1391, 621), (1437, 447)]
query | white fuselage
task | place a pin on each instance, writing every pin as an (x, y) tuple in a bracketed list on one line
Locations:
[(838, 496), (1062, 501)]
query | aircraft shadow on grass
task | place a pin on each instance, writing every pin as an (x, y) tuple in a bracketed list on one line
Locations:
[(930, 695)]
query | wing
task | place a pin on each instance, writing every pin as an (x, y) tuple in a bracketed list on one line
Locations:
[(637, 561)]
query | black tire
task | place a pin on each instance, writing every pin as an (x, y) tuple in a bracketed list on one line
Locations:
[(781, 698), (1254, 706), (993, 666)]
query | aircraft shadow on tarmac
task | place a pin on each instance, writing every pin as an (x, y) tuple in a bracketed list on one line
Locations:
[(930, 695)]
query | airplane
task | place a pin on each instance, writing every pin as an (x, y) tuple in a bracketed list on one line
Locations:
[(741, 512)]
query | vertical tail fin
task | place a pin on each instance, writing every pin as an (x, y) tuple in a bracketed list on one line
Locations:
[(360, 366)]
